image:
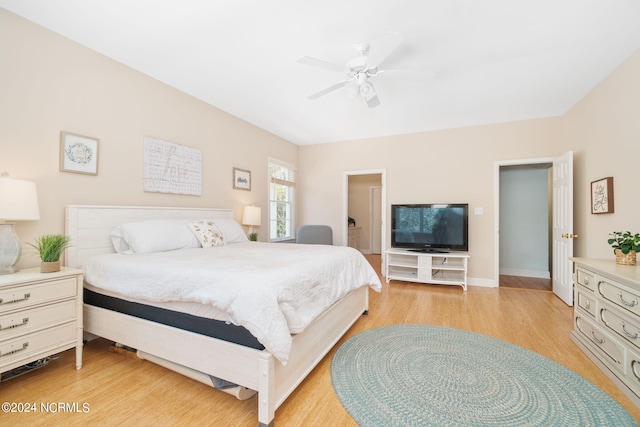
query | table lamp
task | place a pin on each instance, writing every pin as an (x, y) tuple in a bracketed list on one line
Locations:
[(252, 218), (18, 202)]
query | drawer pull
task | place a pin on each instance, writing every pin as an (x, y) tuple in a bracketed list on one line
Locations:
[(586, 280), (26, 297), (587, 304), (633, 369), (24, 347), (632, 336), (627, 303), (596, 339), (24, 322)]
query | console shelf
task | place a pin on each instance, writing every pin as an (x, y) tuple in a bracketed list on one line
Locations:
[(435, 268)]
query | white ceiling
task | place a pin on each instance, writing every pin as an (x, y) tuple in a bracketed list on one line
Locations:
[(474, 62)]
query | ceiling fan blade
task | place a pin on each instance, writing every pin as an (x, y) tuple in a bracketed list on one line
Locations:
[(381, 48), (314, 62), (327, 90)]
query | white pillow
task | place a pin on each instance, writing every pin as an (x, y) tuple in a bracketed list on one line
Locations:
[(154, 235), (231, 230), (207, 233)]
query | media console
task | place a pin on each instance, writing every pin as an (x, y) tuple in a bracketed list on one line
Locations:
[(426, 267)]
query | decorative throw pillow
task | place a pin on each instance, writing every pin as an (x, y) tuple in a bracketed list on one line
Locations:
[(207, 233)]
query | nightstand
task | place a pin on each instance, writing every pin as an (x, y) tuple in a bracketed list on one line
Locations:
[(40, 315)]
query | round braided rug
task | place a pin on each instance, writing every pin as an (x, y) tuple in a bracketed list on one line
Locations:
[(420, 375)]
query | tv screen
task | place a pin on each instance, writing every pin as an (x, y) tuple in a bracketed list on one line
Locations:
[(430, 227)]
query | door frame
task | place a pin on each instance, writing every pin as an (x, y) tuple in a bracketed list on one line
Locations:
[(496, 202), (383, 203)]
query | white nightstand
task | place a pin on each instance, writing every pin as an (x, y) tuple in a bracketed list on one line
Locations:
[(40, 315)]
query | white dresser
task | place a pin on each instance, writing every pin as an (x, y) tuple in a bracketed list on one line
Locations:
[(40, 315), (607, 319)]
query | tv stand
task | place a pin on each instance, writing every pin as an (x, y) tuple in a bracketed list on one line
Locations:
[(426, 267)]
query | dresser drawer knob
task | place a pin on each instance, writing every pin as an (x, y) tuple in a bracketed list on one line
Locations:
[(632, 336), (26, 297), (627, 303), (633, 369)]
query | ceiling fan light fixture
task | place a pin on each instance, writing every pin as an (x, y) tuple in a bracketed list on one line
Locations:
[(366, 91)]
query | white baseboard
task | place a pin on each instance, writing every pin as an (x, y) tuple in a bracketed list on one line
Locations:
[(484, 283), (540, 274)]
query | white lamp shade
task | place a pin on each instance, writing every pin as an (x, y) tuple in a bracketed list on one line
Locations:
[(18, 200), (252, 215)]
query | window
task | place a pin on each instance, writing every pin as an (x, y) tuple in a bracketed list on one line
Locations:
[(282, 184)]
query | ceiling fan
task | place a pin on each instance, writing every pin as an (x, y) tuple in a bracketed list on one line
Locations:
[(360, 69)]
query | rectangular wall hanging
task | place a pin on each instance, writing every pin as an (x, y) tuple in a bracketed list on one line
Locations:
[(172, 168), (602, 196), (241, 179), (78, 154)]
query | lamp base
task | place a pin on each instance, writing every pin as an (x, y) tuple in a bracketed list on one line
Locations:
[(10, 249)]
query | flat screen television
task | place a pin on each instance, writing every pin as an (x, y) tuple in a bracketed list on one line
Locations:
[(430, 227)]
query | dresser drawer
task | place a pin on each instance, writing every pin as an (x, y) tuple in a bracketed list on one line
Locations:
[(20, 297), (586, 278), (587, 302), (620, 296), (624, 325), (610, 349), (37, 342), (29, 320)]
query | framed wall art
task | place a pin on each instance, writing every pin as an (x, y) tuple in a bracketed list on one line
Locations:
[(602, 196), (78, 153), (171, 168), (241, 179)]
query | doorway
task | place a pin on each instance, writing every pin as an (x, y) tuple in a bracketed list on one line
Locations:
[(561, 246), (525, 251), (365, 210)]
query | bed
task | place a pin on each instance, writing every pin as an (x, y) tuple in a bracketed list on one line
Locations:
[(274, 372)]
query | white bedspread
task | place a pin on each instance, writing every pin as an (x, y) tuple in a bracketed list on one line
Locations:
[(272, 289)]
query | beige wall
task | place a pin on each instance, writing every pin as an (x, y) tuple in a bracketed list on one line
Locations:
[(49, 84), (605, 125), (454, 166)]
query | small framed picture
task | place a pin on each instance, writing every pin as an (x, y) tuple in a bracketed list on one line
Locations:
[(78, 154), (241, 179), (602, 196)]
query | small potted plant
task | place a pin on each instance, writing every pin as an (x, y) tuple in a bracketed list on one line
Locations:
[(50, 247), (625, 245), (253, 236)]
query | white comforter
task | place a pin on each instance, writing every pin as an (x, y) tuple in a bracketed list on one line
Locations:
[(272, 289)]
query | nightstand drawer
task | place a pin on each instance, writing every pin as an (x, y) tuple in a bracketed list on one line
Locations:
[(23, 322), (19, 297), (38, 342), (586, 279)]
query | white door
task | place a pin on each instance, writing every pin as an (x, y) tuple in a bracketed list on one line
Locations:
[(563, 227), (376, 220)]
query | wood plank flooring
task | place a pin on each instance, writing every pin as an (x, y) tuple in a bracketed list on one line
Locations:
[(122, 390), (520, 282)]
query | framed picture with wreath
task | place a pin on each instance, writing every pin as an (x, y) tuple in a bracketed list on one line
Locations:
[(78, 153)]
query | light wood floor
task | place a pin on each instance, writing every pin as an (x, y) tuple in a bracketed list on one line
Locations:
[(124, 391), (524, 283)]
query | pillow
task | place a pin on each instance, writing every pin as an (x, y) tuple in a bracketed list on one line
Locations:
[(207, 233), (231, 230), (154, 235)]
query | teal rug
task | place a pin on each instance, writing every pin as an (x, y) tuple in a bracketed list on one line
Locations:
[(420, 375)]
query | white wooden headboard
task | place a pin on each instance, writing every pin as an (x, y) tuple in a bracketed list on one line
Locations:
[(89, 225)]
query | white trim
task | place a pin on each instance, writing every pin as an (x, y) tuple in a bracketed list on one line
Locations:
[(538, 274)]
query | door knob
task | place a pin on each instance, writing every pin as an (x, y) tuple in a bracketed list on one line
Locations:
[(569, 236)]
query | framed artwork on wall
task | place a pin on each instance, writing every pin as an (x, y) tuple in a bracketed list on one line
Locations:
[(602, 196), (78, 153), (241, 179)]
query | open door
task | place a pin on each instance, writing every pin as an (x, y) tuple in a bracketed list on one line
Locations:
[(562, 268)]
